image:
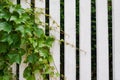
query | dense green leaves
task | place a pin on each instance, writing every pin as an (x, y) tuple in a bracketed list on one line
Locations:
[(28, 74), (5, 27), (20, 35), (32, 58), (16, 55), (4, 15), (3, 47), (38, 32)]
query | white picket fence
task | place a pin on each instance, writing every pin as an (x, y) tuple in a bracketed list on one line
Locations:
[(84, 37)]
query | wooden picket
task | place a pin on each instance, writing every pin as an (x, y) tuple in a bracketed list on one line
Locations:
[(55, 31), (84, 38), (40, 5), (102, 40), (70, 40), (116, 39)]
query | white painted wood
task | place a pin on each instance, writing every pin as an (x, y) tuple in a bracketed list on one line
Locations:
[(102, 40), (70, 40), (25, 4), (14, 70), (55, 31), (22, 68), (85, 39), (38, 77), (116, 39), (40, 7)]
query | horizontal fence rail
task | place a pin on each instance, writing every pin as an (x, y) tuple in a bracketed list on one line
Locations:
[(84, 71)]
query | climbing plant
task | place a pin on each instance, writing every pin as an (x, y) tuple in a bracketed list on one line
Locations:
[(20, 35)]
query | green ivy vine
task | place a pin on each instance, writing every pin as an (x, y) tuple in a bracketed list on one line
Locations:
[(20, 35)]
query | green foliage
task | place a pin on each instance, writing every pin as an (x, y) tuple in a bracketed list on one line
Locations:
[(20, 35)]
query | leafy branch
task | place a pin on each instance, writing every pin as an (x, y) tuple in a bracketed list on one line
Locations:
[(20, 35)]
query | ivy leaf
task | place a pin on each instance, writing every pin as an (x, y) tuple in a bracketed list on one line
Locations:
[(20, 28), (19, 10), (21, 51), (32, 58), (3, 47), (28, 31), (38, 32), (49, 41), (12, 38), (6, 38), (4, 15), (28, 74), (16, 19), (12, 9), (24, 17), (16, 40), (50, 58), (5, 27), (31, 77), (31, 40), (2, 64), (13, 18), (14, 57), (44, 51)]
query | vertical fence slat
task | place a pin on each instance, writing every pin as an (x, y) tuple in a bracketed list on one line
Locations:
[(70, 40), (40, 6), (102, 40), (14, 70), (85, 39), (116, 39), (25, 4), (55, 31)]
